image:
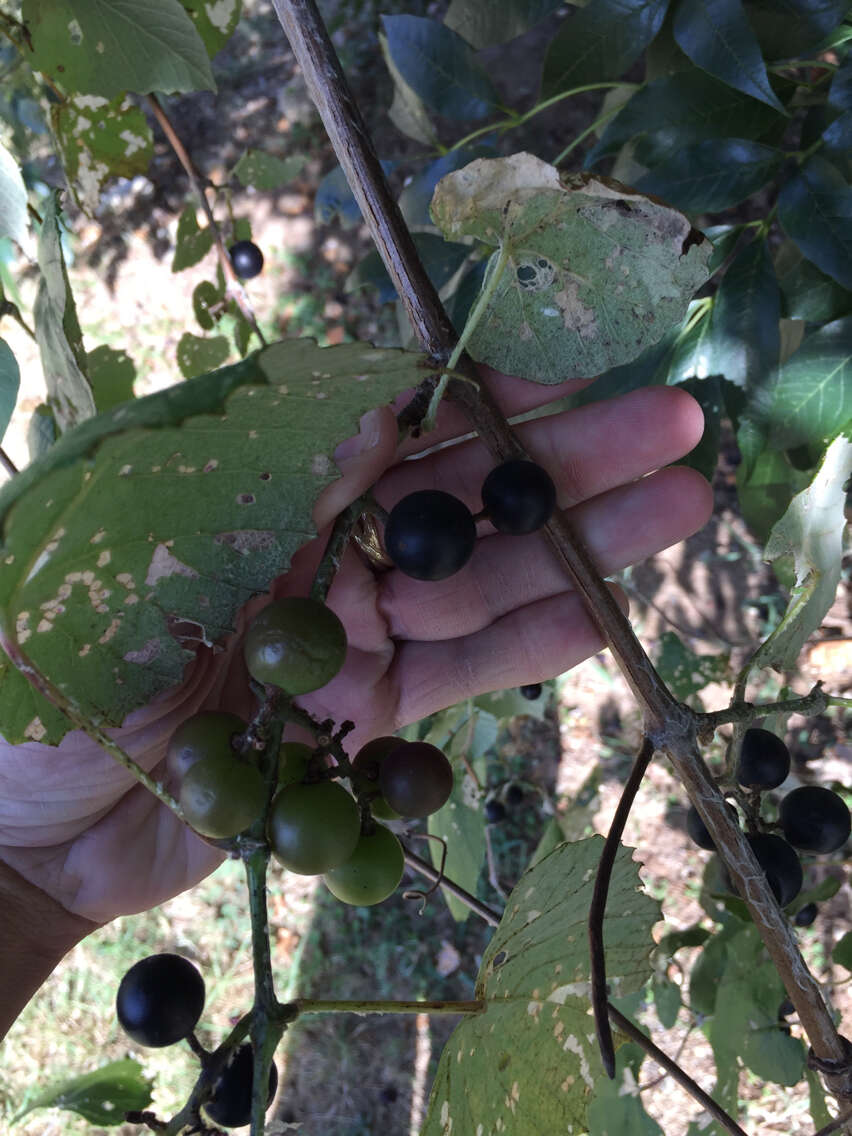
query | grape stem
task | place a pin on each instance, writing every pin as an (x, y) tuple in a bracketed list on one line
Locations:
[(354, 1006), (669, 726)]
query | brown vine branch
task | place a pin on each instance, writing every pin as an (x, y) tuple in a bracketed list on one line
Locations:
[(597, 907), (234, 287), (669, 725), (476, 905)]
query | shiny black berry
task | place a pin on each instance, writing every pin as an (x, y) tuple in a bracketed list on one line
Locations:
[(230, 1104), (495, 811), (697, 829), (514, 795), (430, 534), (815, 819), (805, 915), (518, 496), (159, 1000), (246, 259), (764, 760), (780, 863), (531, 691)]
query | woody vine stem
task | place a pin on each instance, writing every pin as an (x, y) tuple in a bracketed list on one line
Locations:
[(669, 726)]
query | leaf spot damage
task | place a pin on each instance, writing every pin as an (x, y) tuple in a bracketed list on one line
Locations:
[(164, 564)]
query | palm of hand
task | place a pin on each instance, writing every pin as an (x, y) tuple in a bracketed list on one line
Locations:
[(76, 825)]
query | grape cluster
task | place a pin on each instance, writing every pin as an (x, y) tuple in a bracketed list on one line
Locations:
[(158, 1003), (430, 534), (314, 825), (811, 818)]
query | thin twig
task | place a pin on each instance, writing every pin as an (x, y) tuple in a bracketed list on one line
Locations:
[(234, 288), (475, 905), (682, 1078), (7, 463), (597, 907)]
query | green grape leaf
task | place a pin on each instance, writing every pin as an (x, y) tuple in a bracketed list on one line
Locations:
[(675, 110), (504, 704), (707, 392), (617, 1109), (717, 37), (41, 431), (815, 209), (685, 672), (812, 394), (266, 171), (99, 139), (167, 513), (111, 373), (807, 293), (192, 243), (837, 143), (101, 1097), (746, 1013), (766, 483), (334, 198), (198, 353), (439, 67), (204, 297), (417, 194), (842, 951), (57, 330), (10, 381), (485, 24), (789, 29), (441, 259), (667, 1000), (713, 175), (107, 47), (593, 273), (811, 533), (599, 41), (743, 342), (407, 112), (13, 200), (215, 21), (242, 331), (529, 1063)]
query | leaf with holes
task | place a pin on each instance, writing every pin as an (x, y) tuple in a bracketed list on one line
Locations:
[(57, 329), (528, 1063), (198, 353), (142, 533), (101, 1097), (192, 243), (590, 273), (215, 21), (106, 47), (99, 140)]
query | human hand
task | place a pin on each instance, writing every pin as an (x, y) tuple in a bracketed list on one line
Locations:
[(77, 825)]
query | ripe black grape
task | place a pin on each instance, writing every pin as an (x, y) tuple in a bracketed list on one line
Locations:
[(416, 779), (495, 811), (430, 534), (230, 1104), (160, 999), (531, 691), (780, 863), (697, 829), (815, 819), (246, 259), (805, 915), (514, 795), (518, 496), (764, 760)]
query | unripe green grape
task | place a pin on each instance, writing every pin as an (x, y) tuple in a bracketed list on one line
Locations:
[(297, 644), (371, 873), (293, 762), (313, 828), (221, 796), (208, 734)]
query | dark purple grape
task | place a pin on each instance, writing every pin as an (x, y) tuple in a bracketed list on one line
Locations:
[(159, 1000), (230, 1104), (416, 779), (513, 795), (430, 534), (531, 691), (780, 863), (805, 915), (764, 760), (495, 811), (815, 819), (246, 259), (518, 496), (697, 829)]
